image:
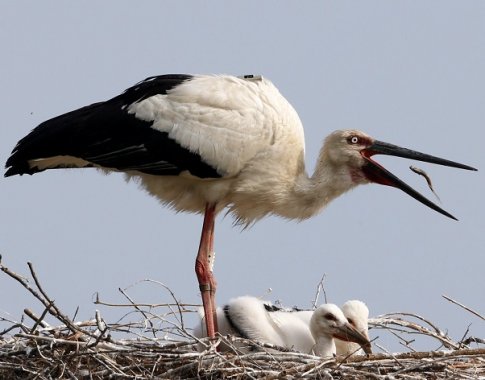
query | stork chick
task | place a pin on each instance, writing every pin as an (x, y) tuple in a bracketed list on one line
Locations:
[(301, 330), (357, 313)]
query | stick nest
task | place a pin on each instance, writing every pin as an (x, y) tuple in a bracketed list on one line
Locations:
[(158, 345)]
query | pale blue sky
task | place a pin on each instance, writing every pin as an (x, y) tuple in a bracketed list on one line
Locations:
[(409, 73)]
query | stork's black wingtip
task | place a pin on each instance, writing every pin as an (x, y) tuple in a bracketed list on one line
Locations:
[(16, 166), (13, 170)]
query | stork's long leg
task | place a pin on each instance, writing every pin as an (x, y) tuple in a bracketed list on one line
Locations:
[(203, 270), (213, 282)]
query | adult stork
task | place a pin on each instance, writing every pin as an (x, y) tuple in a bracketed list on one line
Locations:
[(308, 331), (202, 143)]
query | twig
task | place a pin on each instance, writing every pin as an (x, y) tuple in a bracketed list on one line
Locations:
[(102, 328), (42, 296), (13, 327), (320, 288), (384, 321), (97, 301), (38, 320), (460, 342), (139, 309), (464, 307), (472, 339), (51, 306), (391, 355), (173, 297)]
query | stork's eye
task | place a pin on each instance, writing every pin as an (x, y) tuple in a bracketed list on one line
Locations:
[(351, 321), (330, 317), (353, 140)]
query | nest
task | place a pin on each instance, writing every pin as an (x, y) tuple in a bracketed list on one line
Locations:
[(159, 346)]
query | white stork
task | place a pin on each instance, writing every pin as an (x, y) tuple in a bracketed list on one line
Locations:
[(203, 143), (357, 313), (306, 331), (329, 322)]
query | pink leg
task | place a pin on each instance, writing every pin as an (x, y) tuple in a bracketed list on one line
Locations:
[(213, 282), (203, 270)]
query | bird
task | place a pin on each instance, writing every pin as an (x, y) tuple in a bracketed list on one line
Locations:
[(357, 313), (307, 331), (329, 322), (206, 143)]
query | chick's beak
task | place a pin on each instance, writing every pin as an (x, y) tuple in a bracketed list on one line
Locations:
[(348, 333)]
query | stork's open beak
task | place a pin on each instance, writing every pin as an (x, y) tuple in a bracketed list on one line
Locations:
[(376, 173), (349, 333)]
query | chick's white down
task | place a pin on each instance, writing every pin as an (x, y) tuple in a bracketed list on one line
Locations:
[(306, 331)]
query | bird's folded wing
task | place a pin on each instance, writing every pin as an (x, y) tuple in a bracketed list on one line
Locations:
[(206, 125)]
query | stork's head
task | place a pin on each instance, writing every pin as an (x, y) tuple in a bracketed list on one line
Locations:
[(352, 150), (329, 320), (357, 313)]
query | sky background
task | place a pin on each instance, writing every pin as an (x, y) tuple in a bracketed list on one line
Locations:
[(408, 73)]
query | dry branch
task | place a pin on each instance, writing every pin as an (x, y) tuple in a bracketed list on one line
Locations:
[(464, 307)]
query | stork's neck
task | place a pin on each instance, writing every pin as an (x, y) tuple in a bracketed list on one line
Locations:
[(311, 194), (294, 195), (324, 346)]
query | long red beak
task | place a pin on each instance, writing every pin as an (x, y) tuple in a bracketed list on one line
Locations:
[(376, 173)]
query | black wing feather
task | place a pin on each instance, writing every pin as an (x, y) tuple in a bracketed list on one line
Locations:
[(105, 134)]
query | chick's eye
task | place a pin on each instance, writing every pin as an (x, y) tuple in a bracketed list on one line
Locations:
[(353, 140), (330, 317), (351, 321)]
